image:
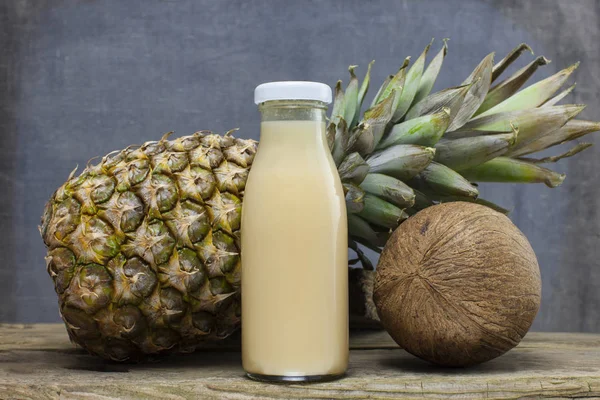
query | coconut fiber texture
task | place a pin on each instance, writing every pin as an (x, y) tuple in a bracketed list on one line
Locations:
[(457, 284)]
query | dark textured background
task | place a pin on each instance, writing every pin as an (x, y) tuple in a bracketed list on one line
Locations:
[(81, 78)]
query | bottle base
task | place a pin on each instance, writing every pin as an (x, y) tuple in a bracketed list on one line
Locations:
[(293, 378)]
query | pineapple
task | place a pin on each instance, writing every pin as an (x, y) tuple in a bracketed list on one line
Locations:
[(143, 247)]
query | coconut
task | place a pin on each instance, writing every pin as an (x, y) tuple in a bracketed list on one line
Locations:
[(457, 284)]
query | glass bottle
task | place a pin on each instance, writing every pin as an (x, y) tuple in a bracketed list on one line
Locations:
[(294, 243)]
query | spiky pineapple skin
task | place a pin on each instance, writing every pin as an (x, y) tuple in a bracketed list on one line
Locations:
[(143, 247)]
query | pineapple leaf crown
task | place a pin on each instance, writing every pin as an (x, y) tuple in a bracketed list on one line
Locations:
[(413, 148)]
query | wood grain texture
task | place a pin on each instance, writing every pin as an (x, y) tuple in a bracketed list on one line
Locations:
[(38, 362)]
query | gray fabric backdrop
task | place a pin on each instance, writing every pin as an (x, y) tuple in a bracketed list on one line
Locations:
[(81, 78)]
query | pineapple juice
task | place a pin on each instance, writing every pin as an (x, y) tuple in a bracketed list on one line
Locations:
[(294, 257)]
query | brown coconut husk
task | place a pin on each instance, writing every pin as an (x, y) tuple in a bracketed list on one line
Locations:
[(457, 284)]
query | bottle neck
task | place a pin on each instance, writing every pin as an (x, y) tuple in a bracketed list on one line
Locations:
[(291, 127), (293, 110)]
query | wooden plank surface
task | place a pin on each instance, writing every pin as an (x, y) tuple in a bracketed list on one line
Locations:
[(38, 362)]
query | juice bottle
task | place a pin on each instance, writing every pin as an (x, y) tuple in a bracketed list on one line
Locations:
[(294, 243)]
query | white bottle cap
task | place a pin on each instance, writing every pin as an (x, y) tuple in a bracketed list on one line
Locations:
[(292, 90)]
